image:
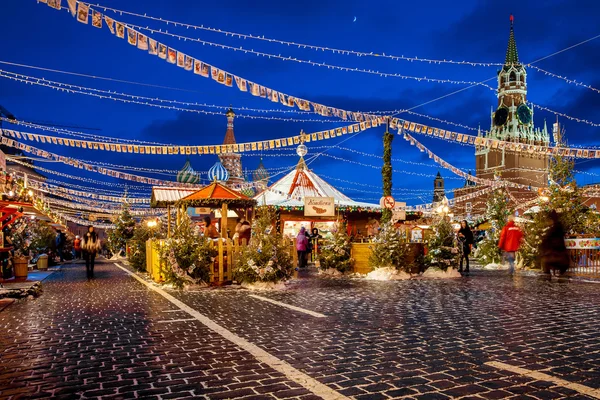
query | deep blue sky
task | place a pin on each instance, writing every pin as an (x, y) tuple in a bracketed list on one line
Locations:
[(467, 30)]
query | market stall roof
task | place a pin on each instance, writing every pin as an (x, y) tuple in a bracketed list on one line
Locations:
[(216, 194), (291, 190), (164, 196)]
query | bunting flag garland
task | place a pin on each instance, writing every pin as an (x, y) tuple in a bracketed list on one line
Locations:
[(456, 171), (187, 150), (173, 56), (89, 167)]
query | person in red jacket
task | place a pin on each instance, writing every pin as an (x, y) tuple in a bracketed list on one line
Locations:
[(510, 241)]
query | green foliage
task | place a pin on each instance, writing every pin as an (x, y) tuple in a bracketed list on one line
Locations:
[(19, 239), (137, 244), (265, 259), (335, 252), (123, 231), (389, 249), (497, 214), (187, 257), (441, 247), (565, 196), (386, 173), (42, 236)]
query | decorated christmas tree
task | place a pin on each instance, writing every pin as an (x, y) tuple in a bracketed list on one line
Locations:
[(137, 244), (498, 210), (389, 249), (441, 253), (122, 232), (335, 252), (265, 259), (386, 173), (187, 258)]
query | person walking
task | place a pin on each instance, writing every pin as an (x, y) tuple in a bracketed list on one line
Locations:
[(61, 240), (91, 247), (77, 248), (553, 251), (510, 241), (301, 247), (465, 238)]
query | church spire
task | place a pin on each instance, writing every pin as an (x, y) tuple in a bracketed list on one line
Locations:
[(229, 137), (512, 57)]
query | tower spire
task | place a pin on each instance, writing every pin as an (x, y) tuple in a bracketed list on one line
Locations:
[(512, 57)]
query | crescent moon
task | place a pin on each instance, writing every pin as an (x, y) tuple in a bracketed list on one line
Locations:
[(354, 19)]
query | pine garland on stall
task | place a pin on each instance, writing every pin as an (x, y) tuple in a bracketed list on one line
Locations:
[(336, 252), (266, 258), (389, 249), (123, 231), (497, 214), (187, 257), (441, 252), (386, 173)]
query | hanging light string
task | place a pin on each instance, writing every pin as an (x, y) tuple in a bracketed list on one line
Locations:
[(302, 61), (130, 194), (334, 50), (76, 177), (379, 167), (112, 96), (294, 44), (564, 78), (155, 99), (79, 207), (116, 198), (68, 132)]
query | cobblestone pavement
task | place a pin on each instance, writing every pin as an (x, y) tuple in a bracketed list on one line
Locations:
[(413, 339)]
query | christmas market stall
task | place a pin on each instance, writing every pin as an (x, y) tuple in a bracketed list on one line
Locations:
[(215, 200), (303, 199)]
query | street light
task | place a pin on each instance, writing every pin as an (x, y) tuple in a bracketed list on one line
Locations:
[(152, 223)]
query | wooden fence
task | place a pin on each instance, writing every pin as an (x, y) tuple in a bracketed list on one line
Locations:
[(585, 262), (228, 253)]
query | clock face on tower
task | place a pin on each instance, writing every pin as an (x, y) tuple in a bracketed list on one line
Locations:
[(501, 116), (524, 114)]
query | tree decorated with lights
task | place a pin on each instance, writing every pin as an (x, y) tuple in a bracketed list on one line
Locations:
[(497, 213), (266, 258), (187, 257), (389, 249), (123, 230), (335, 252), (386, 173), (440, 252)]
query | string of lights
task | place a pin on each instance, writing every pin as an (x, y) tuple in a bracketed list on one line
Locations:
[(302, 61), (79, 207), (113, 96), (564, 78), (379, 167), (76, 177), (294, 44), (68, 132)]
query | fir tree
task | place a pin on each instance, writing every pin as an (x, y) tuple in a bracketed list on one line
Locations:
[(187, 257), (335, 252), (441, 247), (497, 213), (122, 232), (389, 249), (266, 258)]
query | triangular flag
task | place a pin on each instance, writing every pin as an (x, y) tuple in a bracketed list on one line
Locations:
[(72, 6)]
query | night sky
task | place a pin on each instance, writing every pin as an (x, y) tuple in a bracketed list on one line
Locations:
[(37, 35)]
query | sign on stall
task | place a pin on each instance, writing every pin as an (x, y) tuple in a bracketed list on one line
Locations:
[(319, 207), (590, 243)]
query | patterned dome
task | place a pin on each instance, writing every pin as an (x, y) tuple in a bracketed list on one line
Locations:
[(218, 172), (248, 191), (187, 174), (260, 173)]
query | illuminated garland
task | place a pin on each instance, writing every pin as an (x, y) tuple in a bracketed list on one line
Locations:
[(360, 54), (133, 99), (206, 70), (197, 149)]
